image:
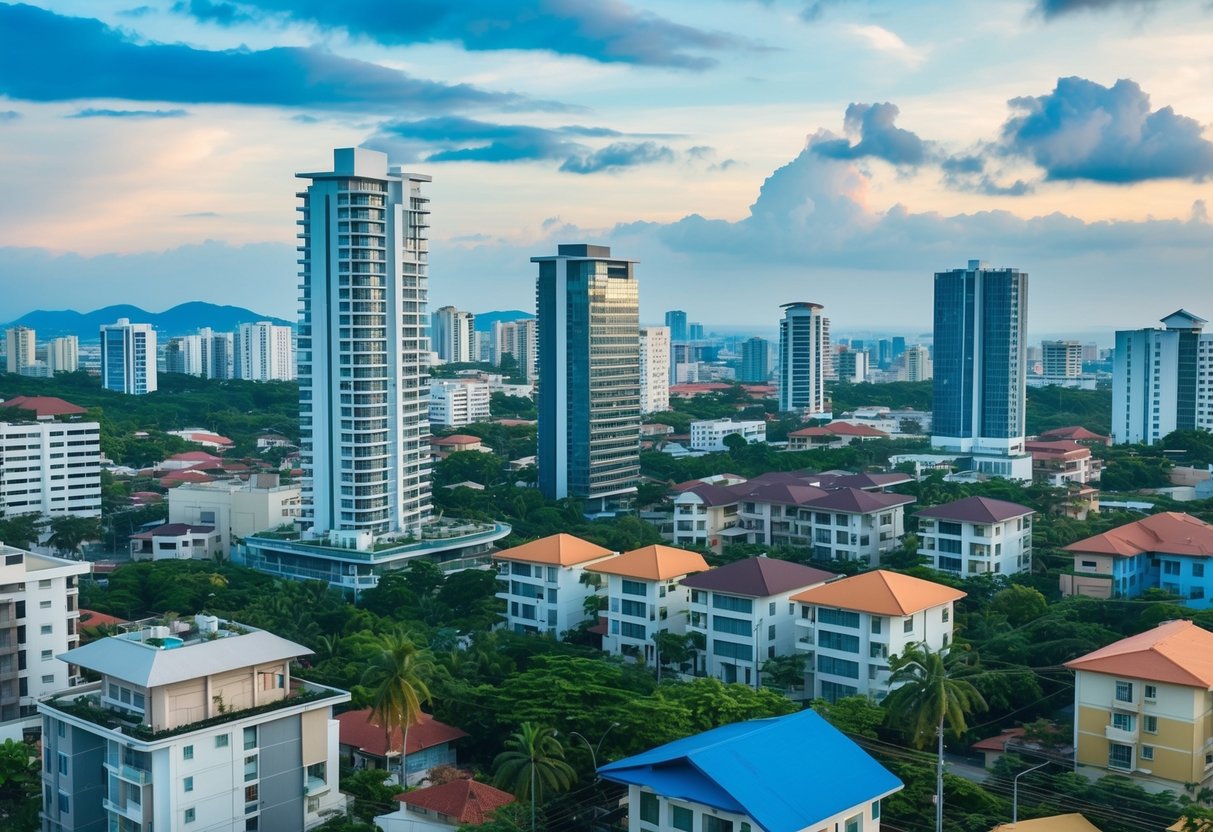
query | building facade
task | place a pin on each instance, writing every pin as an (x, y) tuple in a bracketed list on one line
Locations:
[(676, 323), (458, 402), (977, 536), (755, 360), (63, 354), (21, 346), (654, 369), (851, 366), (518, 340), (264, 352), (49, 467), (917, 362), (1061, 359), (980, 368), (451, 335), (709, 434), (128, 357), (804, 358), (589, 366), (235, 509), (542, 586)]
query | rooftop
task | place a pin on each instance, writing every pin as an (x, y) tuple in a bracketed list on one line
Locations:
[(1056, 823), (653, 563), (44, 406), (1170, 532), (880, 592), (455, 439), (555, 550), (1177, 652), (759, 577), (1076, 432), (977, 510), (467, 801), (361, 732), (173, 530)]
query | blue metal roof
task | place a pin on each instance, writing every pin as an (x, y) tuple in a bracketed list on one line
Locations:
[(786, 773)]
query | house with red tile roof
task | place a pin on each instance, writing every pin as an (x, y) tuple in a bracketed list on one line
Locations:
[(976, 536), (190, 459), (45, 407), (443, 446), (833, 435), (542, 583), (364, 744), (1062, 462), (445, 807), (205, 438), (1077, 434)]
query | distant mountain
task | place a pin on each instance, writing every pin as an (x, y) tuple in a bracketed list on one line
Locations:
[(183, 319), (485, 320)]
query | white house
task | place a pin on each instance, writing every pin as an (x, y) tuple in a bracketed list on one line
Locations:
[(542, 583), (709, 434), (176, 541), (849, 628), (976, 536)]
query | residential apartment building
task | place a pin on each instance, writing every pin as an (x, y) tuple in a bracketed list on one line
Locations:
[(1061, 359), (804, 358), (676, 323), (745, 615), (128, 357), (644, 597), (1162, 380), (795, 773), (977, 536), (1170, 551), (264, 352), (63, 355), (21, 348), (183, 355), (39, 619), (980, 369), (235, 509), (50, 466), (455, 402), (849, 628), (207, 354), (190, 727), (542, 584), (1063, 462), (709, 434), (851, 366), (519, 340), (654, 369), (917, 362), (755, 361), (1142, 708), (451, 335), (589, 366)]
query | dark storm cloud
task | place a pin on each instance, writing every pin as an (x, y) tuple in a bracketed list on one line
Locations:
[(1058, 8), (617, 156)]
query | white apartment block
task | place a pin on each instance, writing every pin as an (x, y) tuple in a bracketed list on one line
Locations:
[(235, 509), (917, 362), (745, 614), (654, 369), (451, 335), (218, 353), (1162, 380), (457, 402), (264, 352), (805, 358), (39, 619), (849, 628), (198, 727), (709, 434), (183, 354), (519, 339), (63, 355), (645, 597), (542, 586), (977, 536), (1061, 359), (50, 468), (21, 348), (128, 357)]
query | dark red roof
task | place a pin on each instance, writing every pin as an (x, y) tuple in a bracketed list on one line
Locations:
[(759, 577), (358, 731), (977, 510), (92, 618), (185, 475), (870, 481), (173, 530), (856, 501), (465, 800), (44, 405), (848, 429), (1073, 432)]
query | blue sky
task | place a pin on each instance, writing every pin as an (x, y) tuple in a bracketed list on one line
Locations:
[(748, 152)]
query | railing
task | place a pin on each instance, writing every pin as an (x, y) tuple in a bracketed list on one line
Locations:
[(321, 549)]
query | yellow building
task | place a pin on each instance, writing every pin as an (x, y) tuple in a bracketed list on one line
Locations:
[(1144, 708), (1056, 823)]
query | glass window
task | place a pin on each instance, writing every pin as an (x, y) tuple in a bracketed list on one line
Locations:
[(62, 763), (1123, 722), (250, 737), (634, 588), (907, 626), (221, 741), (1150, 723), (682, 818), (732, 603), (875, 810), (1147, 752), (190, 816), (64, 804), (1151, 691), (1124, 691), (649, 811), (188, 784), (877, 623), (187, 753), (839, 618), (854, 824), (711, 823)]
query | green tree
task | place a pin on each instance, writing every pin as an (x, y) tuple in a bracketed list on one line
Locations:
[(532, 764), (1020, 604), (69, 533), (20, 531), (399, 674), (855, 715), (19, 786)]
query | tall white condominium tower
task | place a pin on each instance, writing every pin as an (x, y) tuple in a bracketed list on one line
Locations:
[(1162, 380), (20, 344), (589, 376), (217, 353), (654, 369), (363, 351), (917, 359), (264, 352), (1061, 359), (128, 357), (63, 355), (980, 368), (519, 340), (451, 335), (804, 357)]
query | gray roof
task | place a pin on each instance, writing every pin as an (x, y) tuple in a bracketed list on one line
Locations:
[(150, 667)]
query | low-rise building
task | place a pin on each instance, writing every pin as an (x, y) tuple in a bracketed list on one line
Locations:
[(236, 509), (445, 807), (542, 583), (1076, 433), (645, 597), (443, 446), (709, 435), (1073, 822), (849, 628), (177, 541), (201, 728), (364, 744), (1141, 708), (455, 402), (745, 614), (1062, 462), (794, 773), (977, 536), (833, 435)]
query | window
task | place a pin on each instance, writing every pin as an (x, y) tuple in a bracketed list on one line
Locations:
[(250, 737), (838, 641), (854, 824), (732, 603), (649, 809), (1150, 724), (1124, 691), (62, 763), (1122, 722), (729, 650), (947, 615), (875, 810), (48, 680), (64, 805), (1170, 567), (187, 753), (250, 768), (1147, 752), (190, 815), (44, 605), (47, 629), (877, 623), (1198, 570), (907, 626), (634, 588), (839, 618), (732, 626), (771, 608), (47, 655), (1151, 692), (1120, 756), (711, 823), (221, 741), (837, 667)]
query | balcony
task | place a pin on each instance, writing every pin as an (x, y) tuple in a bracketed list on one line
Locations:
[(127, 772), (1120, 735)]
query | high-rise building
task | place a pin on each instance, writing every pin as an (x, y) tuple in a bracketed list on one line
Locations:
[(589, 375), (363, 354), (128, 357), (980, 368), (451, 335), (50, 467), (852, 366), (518, 340), (917, 362), (217, 353), (676, 323), (1061, 359), (63, 354), (804, 357), (695, 332), (654, 369), (899, 346), (264, 352), (455, 402), (183, 354), (1162, 380), (755, 360), (884, 353), (21, 350)]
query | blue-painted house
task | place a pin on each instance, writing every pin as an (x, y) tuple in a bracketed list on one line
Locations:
[(794, 773)]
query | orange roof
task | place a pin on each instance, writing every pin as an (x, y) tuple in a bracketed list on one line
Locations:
[(465, 800), (1171, 533), (881, 593), (557, 550), (1177, 652), (998, 743), (455, 439), (357, 730), (848, 429), (92, 618), (653, 563)]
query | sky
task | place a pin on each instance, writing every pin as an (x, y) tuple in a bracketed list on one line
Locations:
[(747, 152)]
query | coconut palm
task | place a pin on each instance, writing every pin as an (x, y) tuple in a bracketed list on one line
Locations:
[(532, 763), (928, 696), (398, 675)]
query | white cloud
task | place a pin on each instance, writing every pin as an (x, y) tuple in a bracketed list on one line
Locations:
[(889, 43)]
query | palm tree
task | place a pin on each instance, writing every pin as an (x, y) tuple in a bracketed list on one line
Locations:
[(532, 762), (398, 674), (926, 696)]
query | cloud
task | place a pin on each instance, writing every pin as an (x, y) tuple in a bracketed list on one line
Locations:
[(887, 42), (106, 64), (9, 115), (1057, 8), (136, 12), (967, 172), (1082, 130), (103, 113), (617, 156), (200, 215), (607, 31), (878, 137)]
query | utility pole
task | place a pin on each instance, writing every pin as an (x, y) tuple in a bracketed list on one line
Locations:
[(1015, 790), (939, 782)]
